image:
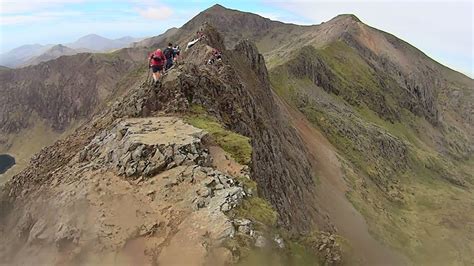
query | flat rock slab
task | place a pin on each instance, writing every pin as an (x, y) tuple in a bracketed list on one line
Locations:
[(146, 146), (162, 130)]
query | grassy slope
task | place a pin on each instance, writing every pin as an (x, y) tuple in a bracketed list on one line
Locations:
[(430, 219), (236, 145)]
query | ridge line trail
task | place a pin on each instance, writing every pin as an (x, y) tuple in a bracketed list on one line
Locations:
[(330, 193)]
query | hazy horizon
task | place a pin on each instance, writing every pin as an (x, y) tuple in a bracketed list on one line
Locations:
[(75, 39), (447, 40)]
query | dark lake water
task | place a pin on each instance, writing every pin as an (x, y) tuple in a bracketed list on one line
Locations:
[(6, 161)]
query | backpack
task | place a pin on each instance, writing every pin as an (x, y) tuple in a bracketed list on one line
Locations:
[(156, 57)]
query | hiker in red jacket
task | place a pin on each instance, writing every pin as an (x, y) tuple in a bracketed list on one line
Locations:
[(156, 62)]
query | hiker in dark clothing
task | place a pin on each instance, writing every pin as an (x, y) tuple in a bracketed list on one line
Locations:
[(169, 54)]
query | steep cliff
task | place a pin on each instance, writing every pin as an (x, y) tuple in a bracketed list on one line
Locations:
[(39, 104), (61, 90)]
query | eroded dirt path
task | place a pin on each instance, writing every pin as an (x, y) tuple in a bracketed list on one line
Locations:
[(331, 192)]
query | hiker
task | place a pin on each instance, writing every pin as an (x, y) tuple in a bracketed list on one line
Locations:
[(216, 56), (199, 34), (169, 54), (156, 62), (176, 52)]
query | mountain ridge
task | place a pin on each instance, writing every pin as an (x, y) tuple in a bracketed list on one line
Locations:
[(399, 123), (33, 54), (96, 42), (52, 53), (173, 97)]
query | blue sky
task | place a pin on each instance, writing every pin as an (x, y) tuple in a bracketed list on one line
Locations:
[(442, 29)]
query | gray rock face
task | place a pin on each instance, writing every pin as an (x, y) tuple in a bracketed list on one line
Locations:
[(328, 248), (386, 154), (243, 226), (225, 207), (204, 192), (66, 234), (145, 147), (279, 241), (261, 242), (224, 191), (58, 91), (37, 231)]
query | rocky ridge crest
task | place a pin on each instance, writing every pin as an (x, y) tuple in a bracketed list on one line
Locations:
[(134, 147)]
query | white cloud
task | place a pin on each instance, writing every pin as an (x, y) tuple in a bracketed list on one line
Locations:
[(155, 13), (6, 20), (152, 9), (23, 6), (21, 12), (20, 19)]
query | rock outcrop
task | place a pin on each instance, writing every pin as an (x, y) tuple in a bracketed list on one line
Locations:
[(238, 93), (142, 154), (100, 209), (132, 147)]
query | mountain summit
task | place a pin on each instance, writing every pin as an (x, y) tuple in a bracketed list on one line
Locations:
[(52, 53), (96, 42), (328, 144)]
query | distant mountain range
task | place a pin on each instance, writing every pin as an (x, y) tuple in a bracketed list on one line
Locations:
[(32, 54), (98, 43)]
